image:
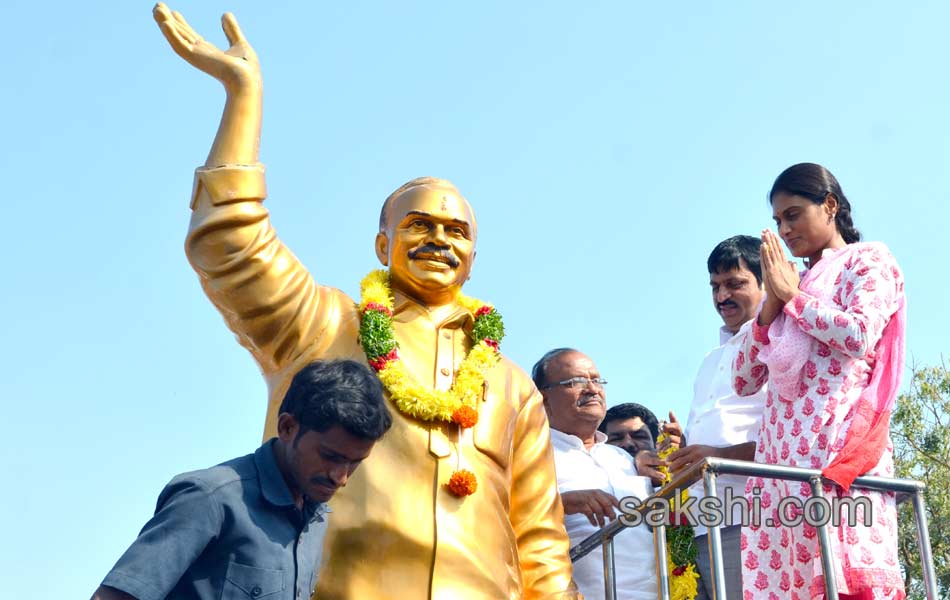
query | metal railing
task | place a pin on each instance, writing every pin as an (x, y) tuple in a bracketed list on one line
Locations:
[(708, 469)]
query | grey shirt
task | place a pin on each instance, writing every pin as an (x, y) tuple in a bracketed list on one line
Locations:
[(231, 531)]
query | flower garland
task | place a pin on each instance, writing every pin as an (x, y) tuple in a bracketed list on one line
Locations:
[(459, 404), (680, 545)]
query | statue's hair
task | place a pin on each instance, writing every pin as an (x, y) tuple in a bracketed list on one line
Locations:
[(417, 182)]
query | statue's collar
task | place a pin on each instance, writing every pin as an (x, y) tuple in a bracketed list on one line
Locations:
[(407, 309)]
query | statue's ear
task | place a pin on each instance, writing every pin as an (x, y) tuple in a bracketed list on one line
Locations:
[(382, 248)]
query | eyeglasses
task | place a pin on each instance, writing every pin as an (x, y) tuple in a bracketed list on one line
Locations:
[(578, 382)]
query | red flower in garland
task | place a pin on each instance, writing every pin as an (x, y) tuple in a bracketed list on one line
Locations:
[(378, 308), (483, 310), (679, 570), (463, 483), (491, 343), (465, 417), (379, 363)]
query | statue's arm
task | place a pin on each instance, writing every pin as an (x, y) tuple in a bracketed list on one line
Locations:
[(537, 514), (264, 293)]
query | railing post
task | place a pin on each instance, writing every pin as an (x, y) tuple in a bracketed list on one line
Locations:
[(923, 545), (610, 579), (714, 537), (824, 543), (662, 564)]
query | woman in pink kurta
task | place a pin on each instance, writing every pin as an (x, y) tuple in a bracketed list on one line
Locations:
[(830, 343)]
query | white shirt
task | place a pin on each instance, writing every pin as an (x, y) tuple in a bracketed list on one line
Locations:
[(612, 470), (719, 417)]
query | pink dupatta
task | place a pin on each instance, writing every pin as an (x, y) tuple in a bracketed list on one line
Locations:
[(789, 348)]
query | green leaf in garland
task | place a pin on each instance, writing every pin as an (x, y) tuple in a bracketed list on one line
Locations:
[(681, 544), (489, 326), (376, 334)]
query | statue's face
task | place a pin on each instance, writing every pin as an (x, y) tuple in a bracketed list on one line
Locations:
[(429, 243)]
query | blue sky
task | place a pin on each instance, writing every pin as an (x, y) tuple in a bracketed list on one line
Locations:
[(605, 146)]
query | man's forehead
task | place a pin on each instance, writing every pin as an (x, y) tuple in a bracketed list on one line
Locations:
[(573, 361), (338, 441), (631, 424), (740, 272), (441, 202)]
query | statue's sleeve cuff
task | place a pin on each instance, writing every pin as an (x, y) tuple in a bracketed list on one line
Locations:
[(230, 183)]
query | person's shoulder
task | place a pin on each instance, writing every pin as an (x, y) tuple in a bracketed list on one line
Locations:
[(864, 252), (866, 257), (213, 479), (712, 355), (715, 354), (870, 245), (518, 378)]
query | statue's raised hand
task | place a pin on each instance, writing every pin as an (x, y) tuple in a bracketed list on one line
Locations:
[(237, 67), (238, 137)]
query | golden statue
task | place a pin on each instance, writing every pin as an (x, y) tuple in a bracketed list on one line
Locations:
[(397, 530)]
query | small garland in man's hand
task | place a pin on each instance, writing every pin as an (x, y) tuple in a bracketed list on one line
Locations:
[(680, 544)]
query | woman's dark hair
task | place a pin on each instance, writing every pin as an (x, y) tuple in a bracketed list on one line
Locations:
[(726, 256), (815, 182), (338, 392)]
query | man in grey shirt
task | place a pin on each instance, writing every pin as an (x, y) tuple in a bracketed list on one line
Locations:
[(253, 527)]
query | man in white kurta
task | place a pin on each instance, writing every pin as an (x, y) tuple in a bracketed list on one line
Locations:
[(721, 423), (593, 476)]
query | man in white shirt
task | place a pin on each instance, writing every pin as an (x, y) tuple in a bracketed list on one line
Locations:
[(593, 476), (722, 424)]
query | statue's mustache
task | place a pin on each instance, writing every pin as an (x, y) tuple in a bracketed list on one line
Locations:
[(434, 252)]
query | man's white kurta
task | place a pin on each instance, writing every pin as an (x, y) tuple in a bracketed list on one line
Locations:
[(612, 470)]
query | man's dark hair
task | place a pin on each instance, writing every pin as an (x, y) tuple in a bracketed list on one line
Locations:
[(725, 256), (539, 371), (338, 392), (630, 410)]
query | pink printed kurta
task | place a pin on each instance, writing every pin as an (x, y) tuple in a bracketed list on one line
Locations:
[(818, 374)]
